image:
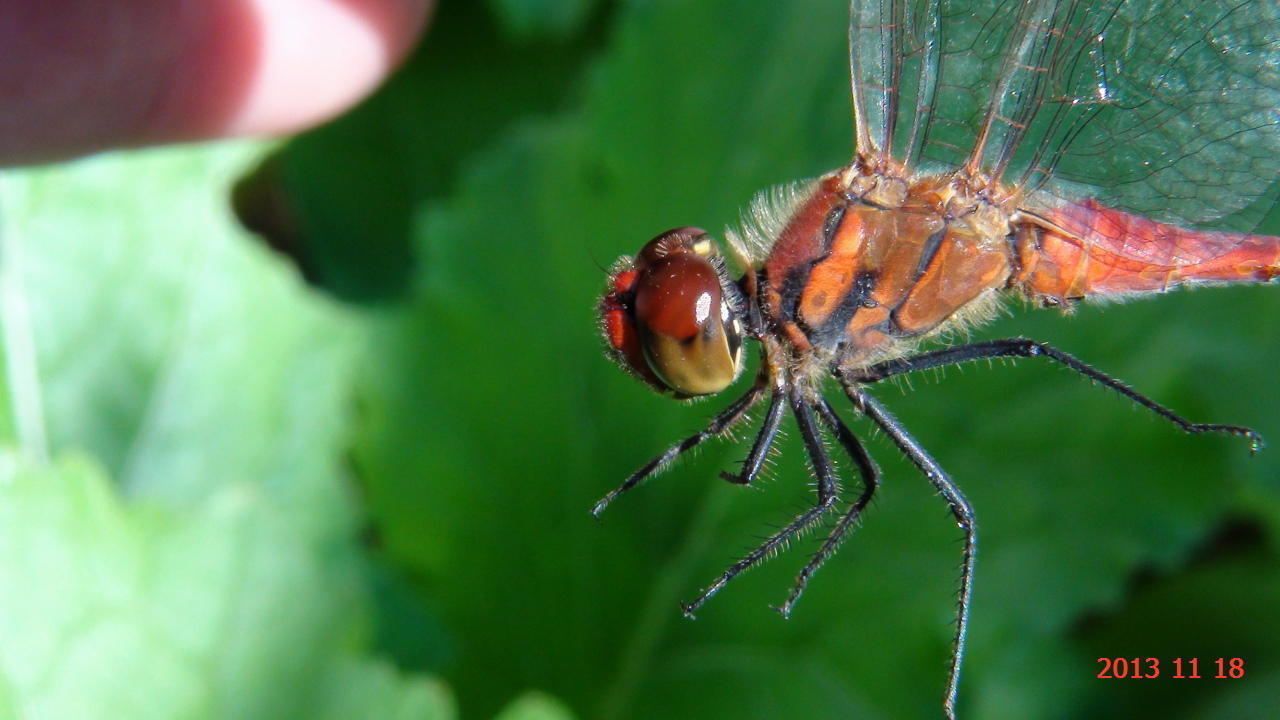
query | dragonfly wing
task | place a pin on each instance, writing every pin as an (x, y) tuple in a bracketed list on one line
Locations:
[(1165, 108), (1184, 121), (990, 68), (893, 68)]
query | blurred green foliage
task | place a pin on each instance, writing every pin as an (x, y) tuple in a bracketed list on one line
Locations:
[(249, 500), (178, 530), (353, 187)]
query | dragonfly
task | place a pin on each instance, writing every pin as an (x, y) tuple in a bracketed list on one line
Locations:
[(1057, 151)]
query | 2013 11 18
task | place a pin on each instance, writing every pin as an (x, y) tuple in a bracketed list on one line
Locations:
[(1116, 668)]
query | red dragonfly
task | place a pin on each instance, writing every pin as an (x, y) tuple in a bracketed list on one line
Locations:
[(1112, 132)]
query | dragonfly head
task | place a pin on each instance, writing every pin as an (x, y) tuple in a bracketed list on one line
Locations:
[(672, 317)]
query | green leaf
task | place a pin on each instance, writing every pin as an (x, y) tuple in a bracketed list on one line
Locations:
[(364, 689), (533, 18), (535, 706), (165, 345), (491, 411), (340, 199), (219, 575), (1214, 611), (220, 612)]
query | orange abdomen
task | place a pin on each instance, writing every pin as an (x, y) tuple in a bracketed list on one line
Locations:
[(1101, 251)]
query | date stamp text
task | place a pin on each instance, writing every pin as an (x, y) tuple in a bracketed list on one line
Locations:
[(1192, 668)]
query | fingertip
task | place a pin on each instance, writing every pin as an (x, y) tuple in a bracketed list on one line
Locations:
[(83, 77), (319, 57)]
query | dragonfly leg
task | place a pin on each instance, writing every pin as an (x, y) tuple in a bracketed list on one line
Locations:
[(960, 509), (722, 422), (870, 481), (827, 495), (1022, 347), (760, 447)]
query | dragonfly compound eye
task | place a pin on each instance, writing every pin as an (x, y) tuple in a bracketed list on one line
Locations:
[(667, 317)]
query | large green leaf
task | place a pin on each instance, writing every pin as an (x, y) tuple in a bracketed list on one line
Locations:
[(1222, 607), (165, 345), (143, 329), (492, 422), (221, 612), (532, 18)]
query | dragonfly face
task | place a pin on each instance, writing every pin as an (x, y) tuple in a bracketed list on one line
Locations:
[(673, 318), (1110, 129)]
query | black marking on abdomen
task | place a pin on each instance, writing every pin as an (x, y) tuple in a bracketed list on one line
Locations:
[(1014, 241), (829, 228), (929, 252), (792, 286), (797, 278), (832, 330)]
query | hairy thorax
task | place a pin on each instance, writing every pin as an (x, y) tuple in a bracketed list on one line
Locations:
[(869, 262)]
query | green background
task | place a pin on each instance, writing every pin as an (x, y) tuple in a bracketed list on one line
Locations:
[(230, 493)]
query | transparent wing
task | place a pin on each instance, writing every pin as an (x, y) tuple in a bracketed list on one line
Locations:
[(893, 67), (1190, 131), (1166, 108), (1004, 67)]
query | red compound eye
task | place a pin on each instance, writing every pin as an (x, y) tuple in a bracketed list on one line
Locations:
[(666, 320)]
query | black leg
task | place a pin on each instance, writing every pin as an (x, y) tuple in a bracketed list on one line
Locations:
[(870, 480), (1022, 347), (760, 448), (828, 494), (722, 422), (960, 508)]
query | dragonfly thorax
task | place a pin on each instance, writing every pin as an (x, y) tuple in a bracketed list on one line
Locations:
[(855, 280)]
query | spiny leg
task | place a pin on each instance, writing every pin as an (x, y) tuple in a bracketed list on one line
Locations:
[(1022, 347), (870, 481), (723, 421), (760, 448), (960, 509), (828, 494)]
